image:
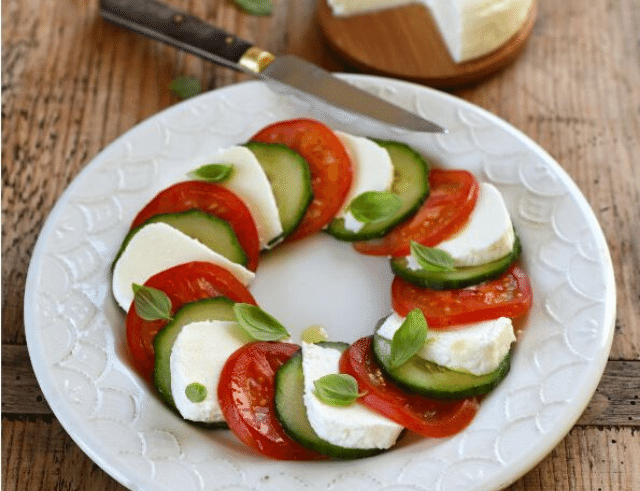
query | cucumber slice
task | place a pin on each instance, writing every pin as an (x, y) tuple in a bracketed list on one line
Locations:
[(291, 412), (217, 308), (290, 178), (411, 183), (431, 380), (459, 277), (210, 230)]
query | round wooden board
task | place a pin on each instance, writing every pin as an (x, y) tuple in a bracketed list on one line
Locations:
[(404, 42)]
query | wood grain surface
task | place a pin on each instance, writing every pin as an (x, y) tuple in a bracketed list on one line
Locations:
[(72, 83)]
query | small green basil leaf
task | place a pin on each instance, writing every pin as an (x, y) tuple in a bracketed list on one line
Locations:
[(337, 389), (258, 324), (431, 258), (151, 304), (256, 7), (408, 339), (212, 172), (196, 392), (372, 206), (185, 87)]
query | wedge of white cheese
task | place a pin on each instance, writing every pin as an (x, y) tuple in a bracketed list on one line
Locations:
[(372, 171), (249, 181), (488, 234), (477, 348), (469, 28), (354, 426), (156, 247), (199, 352)]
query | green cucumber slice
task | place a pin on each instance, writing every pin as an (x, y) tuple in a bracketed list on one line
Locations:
[(431, 380), (217, 308), (210, 230), (410, 182), (459, 277), (290, 178), (291, 412)]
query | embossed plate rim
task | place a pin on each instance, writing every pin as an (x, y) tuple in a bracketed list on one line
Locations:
[(478, 128)]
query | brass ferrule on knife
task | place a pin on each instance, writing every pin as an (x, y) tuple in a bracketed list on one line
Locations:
[(255, 59)]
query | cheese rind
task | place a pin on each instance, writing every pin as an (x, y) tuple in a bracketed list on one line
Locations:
[(199, 352), (477, 348), (156, 247), (469, 28), (354, 426)]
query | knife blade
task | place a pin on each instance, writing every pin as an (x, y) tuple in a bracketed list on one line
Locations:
[(286, 73)]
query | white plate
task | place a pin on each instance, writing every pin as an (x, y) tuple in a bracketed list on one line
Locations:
[(75, 332)]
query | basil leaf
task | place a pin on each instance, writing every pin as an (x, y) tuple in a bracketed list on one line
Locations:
[(337, 389), (196, 392), (212, 172), (431, 258), (256, 7), (408, 339), (372, 206), (185, 87), (151, 304), (258, 324)]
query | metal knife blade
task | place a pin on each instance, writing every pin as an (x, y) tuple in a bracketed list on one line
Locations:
[(284, 73)]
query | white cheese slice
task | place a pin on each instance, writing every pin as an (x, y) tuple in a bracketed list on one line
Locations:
[(249, 181), (156, 247), (354, 426), (371, 165), (470, 28), (477, 348), (488, 234), (199, 352)]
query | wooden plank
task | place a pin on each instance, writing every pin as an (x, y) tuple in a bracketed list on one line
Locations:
[(614, 403), (39, 455)]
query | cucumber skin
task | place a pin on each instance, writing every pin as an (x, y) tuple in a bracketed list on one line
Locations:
[(376, 230), (164, 339), (289, 405), (261, 151), (459, 278), (408, 374), (240, 252)]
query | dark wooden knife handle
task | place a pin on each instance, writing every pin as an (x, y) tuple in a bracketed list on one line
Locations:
[(179, 29)]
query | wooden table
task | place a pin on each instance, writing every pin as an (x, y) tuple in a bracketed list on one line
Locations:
[(72, 83)]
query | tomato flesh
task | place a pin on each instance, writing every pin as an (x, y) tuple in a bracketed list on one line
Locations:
[(184, 283), (452, 198), (427, 417), (213, 199), (329, 163), (506, 296), (246, 395)]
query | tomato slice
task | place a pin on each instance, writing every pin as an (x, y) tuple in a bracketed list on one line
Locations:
[(506, 296), (246, 396), (213, 199), (329, 163), (452, 198), (184, 283), (428, 417)]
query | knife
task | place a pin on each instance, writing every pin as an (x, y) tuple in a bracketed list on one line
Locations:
[(285, 73)]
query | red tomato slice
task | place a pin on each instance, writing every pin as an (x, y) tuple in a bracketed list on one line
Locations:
[(509, 296), (246, 396), (453, 195), (184, 283), (428, 417), (213, 199), (329, 163)]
